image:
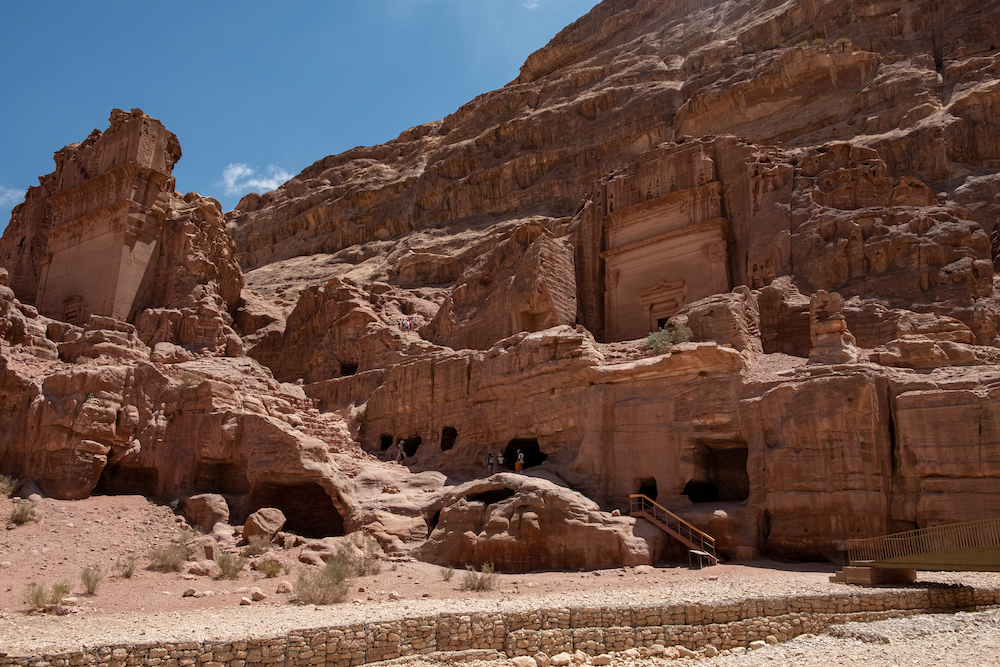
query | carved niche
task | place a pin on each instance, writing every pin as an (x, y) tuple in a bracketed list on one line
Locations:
[(665, 251)]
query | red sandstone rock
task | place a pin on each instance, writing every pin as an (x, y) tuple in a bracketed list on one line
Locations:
[(570, 207), (266, 521)]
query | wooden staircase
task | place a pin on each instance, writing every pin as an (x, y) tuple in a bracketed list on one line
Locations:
[(701, 546)]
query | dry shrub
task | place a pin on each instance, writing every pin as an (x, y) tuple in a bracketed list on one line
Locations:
[(125, 567), (23, 512), (40, 599), (92, 576), (326, 586), (361, 554), (168, 558), (256, 545), (447, 573), (270, 567), (484, 580), (8, 485), (230, 565)]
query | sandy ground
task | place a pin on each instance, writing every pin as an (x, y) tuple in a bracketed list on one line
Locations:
[(103, 530)]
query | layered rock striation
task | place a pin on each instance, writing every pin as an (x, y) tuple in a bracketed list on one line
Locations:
[(800, 196)]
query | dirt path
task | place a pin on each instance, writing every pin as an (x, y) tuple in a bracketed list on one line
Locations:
[(101, 531)]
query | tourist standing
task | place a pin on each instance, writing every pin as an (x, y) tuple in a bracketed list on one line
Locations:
[(519, 462), (499, 461), (489, 464)]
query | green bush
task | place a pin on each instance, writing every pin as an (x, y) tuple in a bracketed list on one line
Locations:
[(168, 558), (484, 580), (23, 512), (326, 586), (659, 341), (125, 567), (91, 576), (270, 567), (8, 485), (230, 565)]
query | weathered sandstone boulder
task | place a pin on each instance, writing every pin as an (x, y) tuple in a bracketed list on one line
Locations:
[(266, 521), (520, 523), (204, 510)]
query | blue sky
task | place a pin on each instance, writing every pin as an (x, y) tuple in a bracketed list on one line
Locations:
[(254, 91)]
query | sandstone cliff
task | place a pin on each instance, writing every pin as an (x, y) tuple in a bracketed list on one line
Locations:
[(805, 189)]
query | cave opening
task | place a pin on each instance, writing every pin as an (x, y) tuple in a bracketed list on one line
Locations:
[(647, 487), (449, 435), (307, 507), (701, 492), (222, 478), (411, 444), (117, 480), (348, 369), (432, 521), (720, 474), (385, 441), (492, 496), (533, 455)]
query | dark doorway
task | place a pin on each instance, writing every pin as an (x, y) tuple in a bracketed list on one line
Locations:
[(348, 369), (533, 456), (720, 474), (308, 509), (411, 444), (647, 487), (222, 478), (386, 441), (702, 492), (449, 434), (124, 481)]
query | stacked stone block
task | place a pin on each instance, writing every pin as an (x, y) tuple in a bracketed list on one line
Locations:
[(593, 630)]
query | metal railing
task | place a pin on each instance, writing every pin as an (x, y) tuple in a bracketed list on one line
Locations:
[(693, 538), (950, 537)]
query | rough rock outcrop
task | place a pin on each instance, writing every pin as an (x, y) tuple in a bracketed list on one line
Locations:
[(482, 285), (522, 524), (105, 234)]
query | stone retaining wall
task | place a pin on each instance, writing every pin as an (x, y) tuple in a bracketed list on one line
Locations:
[(593, 630)]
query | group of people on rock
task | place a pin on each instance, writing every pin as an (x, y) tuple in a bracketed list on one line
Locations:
[(496, 462), (407, 324)]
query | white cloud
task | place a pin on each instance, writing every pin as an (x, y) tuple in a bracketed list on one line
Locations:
[(530, 4), (11, 197), (239, 178)]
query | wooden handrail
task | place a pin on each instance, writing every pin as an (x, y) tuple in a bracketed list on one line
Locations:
[(642, 504), (950, 537)]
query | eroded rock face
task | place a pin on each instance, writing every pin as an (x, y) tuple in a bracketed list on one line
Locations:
[(482, 285), (108, 222), (522, 524)]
